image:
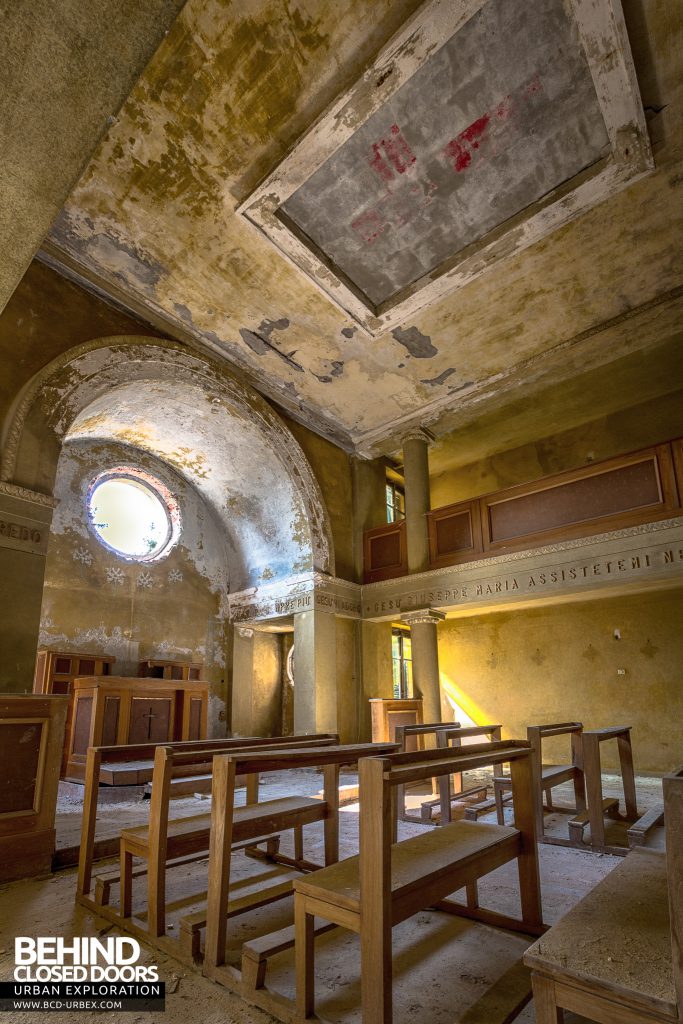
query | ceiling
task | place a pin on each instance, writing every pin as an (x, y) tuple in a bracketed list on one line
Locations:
[(157, 220)]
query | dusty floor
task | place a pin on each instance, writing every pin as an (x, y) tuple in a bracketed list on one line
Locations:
[(459, 978)]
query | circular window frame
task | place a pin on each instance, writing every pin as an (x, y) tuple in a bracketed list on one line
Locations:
[(149, 482)]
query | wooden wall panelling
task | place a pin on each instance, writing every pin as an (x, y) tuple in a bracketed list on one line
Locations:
[(610, 495), (31, 739), (677, 453), (454, 534), (55, 673), (176, 670), (384, 552)]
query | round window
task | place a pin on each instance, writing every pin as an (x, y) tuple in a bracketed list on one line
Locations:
[(130, 514)]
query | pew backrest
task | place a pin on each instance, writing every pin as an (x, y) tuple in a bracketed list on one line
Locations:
[(117, 754)]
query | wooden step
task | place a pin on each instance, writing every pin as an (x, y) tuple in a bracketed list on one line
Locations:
[(474, 810), (610, 808)]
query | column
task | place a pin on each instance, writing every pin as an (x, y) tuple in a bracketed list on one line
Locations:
[(315, 672), (425, 647), (25, 518), (416, 475)]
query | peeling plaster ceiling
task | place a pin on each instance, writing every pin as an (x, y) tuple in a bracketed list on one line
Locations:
[(231, 90)]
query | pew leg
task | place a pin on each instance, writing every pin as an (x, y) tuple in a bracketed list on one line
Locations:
[(126, 882), (547, 1010), (628, 776), (498, 793), (472, 890), (305, 958), (580, 792), (591, 761), (298, 843)]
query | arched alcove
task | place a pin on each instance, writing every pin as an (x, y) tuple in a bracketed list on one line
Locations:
[(252, 510), (216, 433)]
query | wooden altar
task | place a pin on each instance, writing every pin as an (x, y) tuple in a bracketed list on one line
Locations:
[(109, 711)]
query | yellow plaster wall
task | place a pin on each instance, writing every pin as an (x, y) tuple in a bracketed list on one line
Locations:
[(332, 469), (560, 663), (627, 430)]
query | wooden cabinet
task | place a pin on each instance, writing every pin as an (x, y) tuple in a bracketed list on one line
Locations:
[(56, 670), (157, 669), (119, 710), (31, 740), (55, 673), (388, 714)]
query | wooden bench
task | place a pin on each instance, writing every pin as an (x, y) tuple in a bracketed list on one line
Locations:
[(97, 757), (599, 808), (223, 831), (164, 840), (617, 956), (389, 882), (412, 737), (547, 776)]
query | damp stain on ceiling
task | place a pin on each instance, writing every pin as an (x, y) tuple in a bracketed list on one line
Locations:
[(234, 88)]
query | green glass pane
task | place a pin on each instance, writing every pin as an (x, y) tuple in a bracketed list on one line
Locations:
[(408, 668), (396, 665)]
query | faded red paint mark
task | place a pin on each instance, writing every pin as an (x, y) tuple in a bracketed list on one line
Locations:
[(369, 226), (460, 148), (394, 210), (505, 109), (397, 156)]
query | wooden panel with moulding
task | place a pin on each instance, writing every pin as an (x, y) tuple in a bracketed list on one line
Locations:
[(31, 738), (454, 534), (385, 553), (609, 495), (55, 673)]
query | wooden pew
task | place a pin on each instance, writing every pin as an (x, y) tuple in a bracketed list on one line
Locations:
[(475, 794), (386, 883), (97, 756), (617, 956), (223, 831), (165, 840), (598, 808), (547, 776), (412, 737)]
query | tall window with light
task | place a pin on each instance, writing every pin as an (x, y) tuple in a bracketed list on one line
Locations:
[(396, 503), (402, 663)]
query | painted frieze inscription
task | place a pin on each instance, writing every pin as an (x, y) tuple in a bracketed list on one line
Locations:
[(656, 562)]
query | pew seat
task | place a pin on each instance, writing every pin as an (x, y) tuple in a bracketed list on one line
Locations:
[(191, 835), (424, 869)]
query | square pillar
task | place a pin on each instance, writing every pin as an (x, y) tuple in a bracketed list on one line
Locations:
[(25, 519), (315, 672), (257, 683)]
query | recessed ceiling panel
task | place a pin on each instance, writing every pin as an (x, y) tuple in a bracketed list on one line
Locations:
[(482, 127), (499, 116)]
